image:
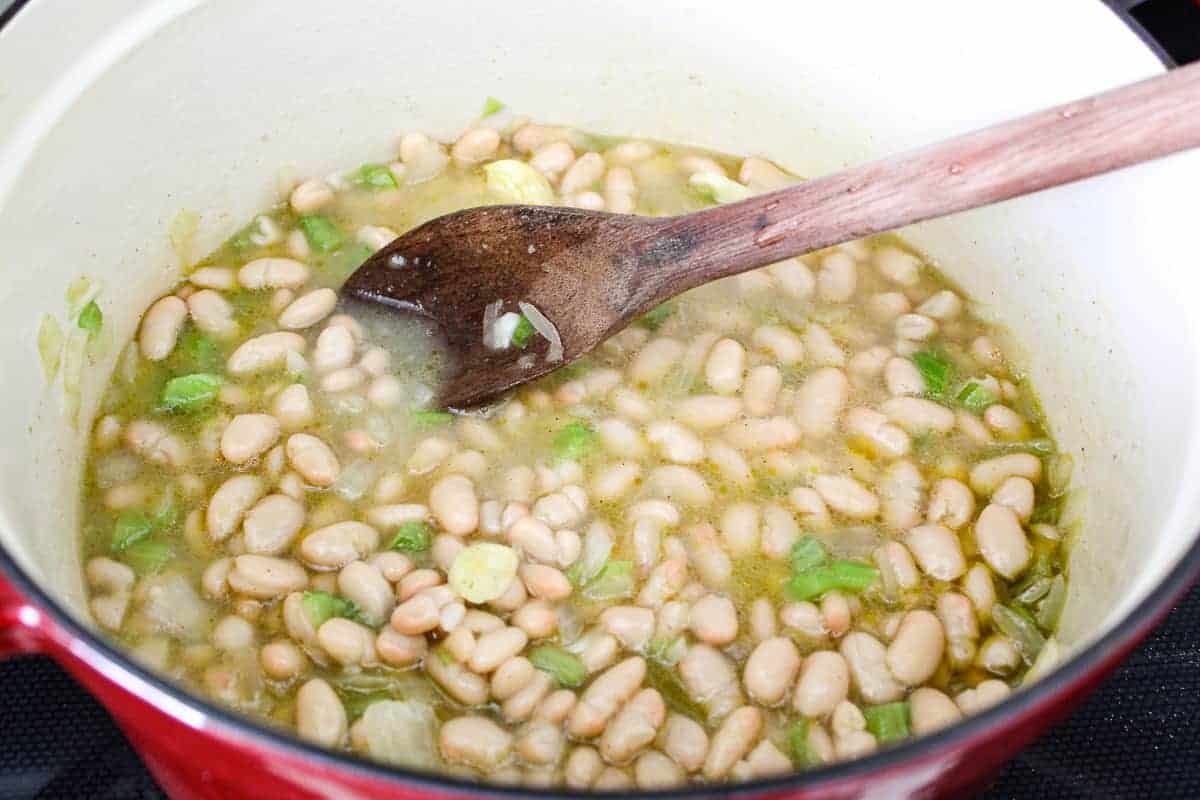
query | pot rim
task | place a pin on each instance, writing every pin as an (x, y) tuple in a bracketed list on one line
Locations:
[(1092, 661)]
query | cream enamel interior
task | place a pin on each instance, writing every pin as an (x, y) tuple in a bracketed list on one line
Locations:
[(113, 123)]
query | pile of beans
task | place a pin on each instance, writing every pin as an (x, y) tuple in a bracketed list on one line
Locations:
[(600, 582)]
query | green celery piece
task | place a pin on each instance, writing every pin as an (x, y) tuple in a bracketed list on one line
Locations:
[(888, 722), (974, 397), (412, 537), (131, 527), (655, 317), (491, 106), (323, 606), (348, 259), (854, 576), (1021, 629), (850, 576), (797, 734), (90, 319), (615, 579), (1040, 446), (808, 552), (430, 419), (322, 233), (147, 556), (376, 177), (1051, 607), (574, 441), (575, 369), (523, 333), (189, 392), (566, 668), (936, 369), (357, 703), (1032, 590)]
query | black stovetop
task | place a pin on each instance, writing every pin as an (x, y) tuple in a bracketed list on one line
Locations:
[(1137, 737)]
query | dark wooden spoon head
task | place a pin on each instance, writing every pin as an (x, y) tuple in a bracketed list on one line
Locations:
[(584, 270)]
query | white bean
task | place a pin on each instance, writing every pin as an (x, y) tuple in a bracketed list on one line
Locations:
[(1018, 494), (293, 408), (475, 741), (824, 683), (264, 352), (986, 476), (161, 326), (916, 650), (653, 361), (320, 716), (770, 670), (951, 504), (931, 710), (453, 504), (271, 525), (247, 436), (308, 309), (706, 412), (784, 345), (762, 390), (334, 349), (230, 502), (937, 551), (713, 620), (847, 496), (1002, 541), (313, 459), (475, 145), (733, 739), (918, 415), (725, 367), (604, 696), (819, 401), (867, 660), (212, 313), (310, 196), (334, 546), (838, 278), (903, 378), (273, 273), (740, 528)]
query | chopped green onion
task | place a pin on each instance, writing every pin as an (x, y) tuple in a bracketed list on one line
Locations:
[(430, 419), (655, 317), (808, 552), (130, 527), (322, 233), (615, 579), (936, 369), (802, 754), (323, 606), (189, 392), (1021, 629), (491, 106), (373, 176), (566, 668), (888, 722), (850, 576), (412, 537), (1051, 607), (575, 369), (974, 397), (90, 318), (574, 441), (147, 556), (523, 333)]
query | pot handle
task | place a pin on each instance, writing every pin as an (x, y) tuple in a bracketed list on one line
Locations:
[(22, 624)]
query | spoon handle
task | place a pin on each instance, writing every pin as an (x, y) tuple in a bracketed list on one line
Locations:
[(1124, 126)]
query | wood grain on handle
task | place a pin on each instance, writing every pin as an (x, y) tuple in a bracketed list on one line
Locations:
[(1135, 123)]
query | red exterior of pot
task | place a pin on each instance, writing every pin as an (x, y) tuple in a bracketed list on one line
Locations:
[(197, 753)]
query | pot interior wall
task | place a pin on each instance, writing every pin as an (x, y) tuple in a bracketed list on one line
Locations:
[(138, 110)]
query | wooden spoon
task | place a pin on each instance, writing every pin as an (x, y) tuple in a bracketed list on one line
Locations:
[(591, 273)]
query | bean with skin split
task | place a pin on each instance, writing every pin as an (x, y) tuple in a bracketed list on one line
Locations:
[(653, 770), (266, 352), (847, 496), (212, 313), (273, 273), (867, 660), (951, 503), (230, 503), (400, 650), (711, 679), (457, 681), (630, 625), (334, 546), (269, 527), (986, 476), (1016, 493), (496, 647)]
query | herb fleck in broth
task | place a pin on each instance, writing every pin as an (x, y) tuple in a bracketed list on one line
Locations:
[(785, 519)]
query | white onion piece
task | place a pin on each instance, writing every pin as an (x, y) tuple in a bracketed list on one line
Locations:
[(354, 480), (490, 314), (546, 328), (503, 330)]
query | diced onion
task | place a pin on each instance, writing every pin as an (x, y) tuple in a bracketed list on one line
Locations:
[(546, 328), (490, 315), (50, 342), (502, 331), (353, 481)]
